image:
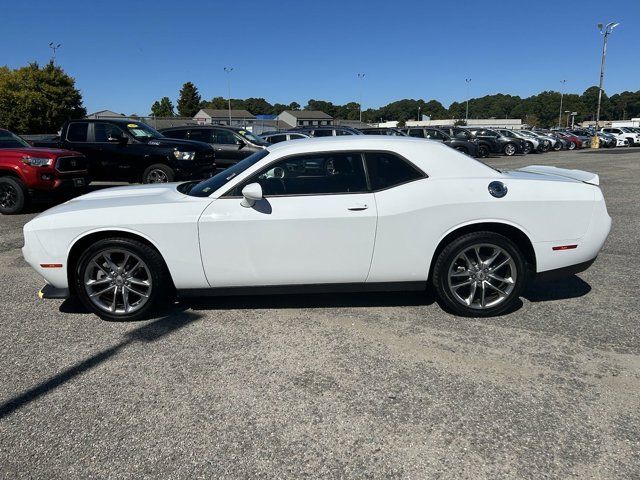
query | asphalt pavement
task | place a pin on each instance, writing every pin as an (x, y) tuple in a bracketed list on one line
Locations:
[(334, 386)]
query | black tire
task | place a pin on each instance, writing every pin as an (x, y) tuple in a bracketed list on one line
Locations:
[(527, 148), (158, 173), (13, 195), (451, 254), (572, 145), (557, 147), (510, 149), (162, 292), (483, 151)]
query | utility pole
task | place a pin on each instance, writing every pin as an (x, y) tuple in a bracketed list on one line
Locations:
[(605, 31), (361, 78), (561, 94), (229, 70), (54, 48), (466, 116), (419, 108)]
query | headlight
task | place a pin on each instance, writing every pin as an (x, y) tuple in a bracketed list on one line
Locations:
[(37, 161), (184, 155)]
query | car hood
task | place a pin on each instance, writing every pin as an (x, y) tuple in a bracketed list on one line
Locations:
[(184, 145), (36, 151), (536, 172), (117, 197)]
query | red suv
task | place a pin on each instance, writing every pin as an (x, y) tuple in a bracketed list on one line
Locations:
[(26, 171)]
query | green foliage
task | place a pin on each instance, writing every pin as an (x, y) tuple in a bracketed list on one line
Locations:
[(189, 100), (162, 108), (36, 99)]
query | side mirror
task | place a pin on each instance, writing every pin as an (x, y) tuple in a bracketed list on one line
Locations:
[(251, 193)]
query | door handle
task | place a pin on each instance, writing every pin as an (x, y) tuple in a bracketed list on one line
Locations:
[(358, 208)]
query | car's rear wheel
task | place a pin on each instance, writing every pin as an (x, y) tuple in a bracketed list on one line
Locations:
[(158, 173), (13, 195), (572, 145), (509, 149), (480, 274), (557, 147), (122, 279)]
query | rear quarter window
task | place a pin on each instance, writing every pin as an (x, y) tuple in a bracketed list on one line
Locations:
[(387, 170)]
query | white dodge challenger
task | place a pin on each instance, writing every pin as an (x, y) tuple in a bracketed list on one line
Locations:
[(353, 212)]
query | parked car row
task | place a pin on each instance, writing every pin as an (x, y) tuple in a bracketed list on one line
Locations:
[(131, 151)]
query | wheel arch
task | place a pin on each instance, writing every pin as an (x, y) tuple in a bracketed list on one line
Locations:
[(80, 243), (512, 232), (11, 172)]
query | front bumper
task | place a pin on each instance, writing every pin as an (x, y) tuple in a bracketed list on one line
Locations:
[(49, 291)]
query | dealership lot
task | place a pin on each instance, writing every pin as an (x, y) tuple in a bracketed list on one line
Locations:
[(349, 385)]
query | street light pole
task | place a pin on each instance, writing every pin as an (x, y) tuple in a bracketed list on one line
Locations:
[(361, 78), (229, 70), (605, 31), (561, 94), (419, 108), (466, 116), (54, 47)]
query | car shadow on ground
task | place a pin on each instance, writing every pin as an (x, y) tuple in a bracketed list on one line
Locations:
[(559, 289), (149, 332)]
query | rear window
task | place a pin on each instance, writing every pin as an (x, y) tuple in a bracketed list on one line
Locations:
[(388, 170), (77, 132)]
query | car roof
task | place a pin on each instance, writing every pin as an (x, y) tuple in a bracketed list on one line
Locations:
[(200, 127), (434, 158)]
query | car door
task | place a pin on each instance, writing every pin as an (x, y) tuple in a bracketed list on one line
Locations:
[(78, 139), (116, 159), (316, 224), (228, 147)]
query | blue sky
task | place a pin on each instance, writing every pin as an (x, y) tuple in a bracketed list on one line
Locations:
[(125, 55)]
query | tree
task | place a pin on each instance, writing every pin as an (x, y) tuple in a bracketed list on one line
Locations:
[(294, 106), (189, 100), (38, 100), (162, 108)]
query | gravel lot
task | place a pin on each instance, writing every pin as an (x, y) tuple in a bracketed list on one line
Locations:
[(352, 385)]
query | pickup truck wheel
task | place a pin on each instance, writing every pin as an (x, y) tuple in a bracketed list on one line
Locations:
[(158, 173), (13, 195), (480, 274), (122, 279)]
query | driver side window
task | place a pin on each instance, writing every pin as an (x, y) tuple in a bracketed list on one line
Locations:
[(315, 174), (224, 137)]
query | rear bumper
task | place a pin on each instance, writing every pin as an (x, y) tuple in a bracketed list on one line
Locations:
[(564, 271)]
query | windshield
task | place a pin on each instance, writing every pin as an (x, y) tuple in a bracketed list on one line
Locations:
[(142, 131), (210, 185), (9, 140), (253, 138)]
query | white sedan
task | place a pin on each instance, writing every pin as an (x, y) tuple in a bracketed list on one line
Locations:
[(352, 212)]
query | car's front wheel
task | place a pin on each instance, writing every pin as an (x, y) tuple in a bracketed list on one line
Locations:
[(483, 151), (572, 145), (509, 149), (13, 195), (557, 147), (158, 173), (480, 274), (122, 279)]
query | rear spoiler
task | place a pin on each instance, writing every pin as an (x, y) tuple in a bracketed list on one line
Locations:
[(580, 175)]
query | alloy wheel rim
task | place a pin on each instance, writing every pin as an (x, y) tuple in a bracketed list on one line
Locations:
[(510, 150), (157, 176), (482, 276), (117, 281), (8, 196)]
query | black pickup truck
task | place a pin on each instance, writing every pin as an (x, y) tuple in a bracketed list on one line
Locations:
[(131, 151)]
